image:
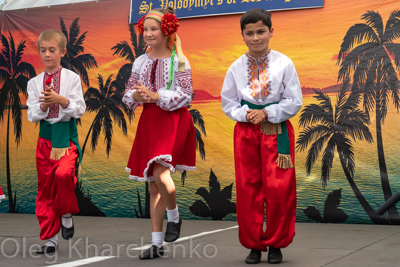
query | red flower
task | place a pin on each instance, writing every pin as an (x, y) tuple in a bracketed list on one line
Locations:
[(140, 24), (169, 24), (48, 80)]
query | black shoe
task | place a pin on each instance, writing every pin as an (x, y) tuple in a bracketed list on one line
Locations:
[(254, 257), (67, 233), (274, 255), (47, 249), (152, 253), (173, 231)]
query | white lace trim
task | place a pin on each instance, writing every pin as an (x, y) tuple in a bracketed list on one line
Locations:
[(181, 168), (160, 160)]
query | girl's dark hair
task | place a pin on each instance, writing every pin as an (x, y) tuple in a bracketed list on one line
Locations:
[(254, 16)]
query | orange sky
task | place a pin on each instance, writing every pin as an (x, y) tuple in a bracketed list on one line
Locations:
[(310, 37)]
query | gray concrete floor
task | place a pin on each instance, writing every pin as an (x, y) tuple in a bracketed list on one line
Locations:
[(118, 242)]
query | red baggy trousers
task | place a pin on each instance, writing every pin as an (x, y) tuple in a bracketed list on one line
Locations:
[(263, 189), (56, 187)]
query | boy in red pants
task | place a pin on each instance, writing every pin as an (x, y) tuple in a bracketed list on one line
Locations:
[(261, 92), (55, 99)]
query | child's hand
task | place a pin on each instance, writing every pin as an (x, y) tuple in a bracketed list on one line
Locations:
[(143, 94), (256, 116), (51, 97)]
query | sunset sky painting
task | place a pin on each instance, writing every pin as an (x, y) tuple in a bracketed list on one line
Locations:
[(310, 37)]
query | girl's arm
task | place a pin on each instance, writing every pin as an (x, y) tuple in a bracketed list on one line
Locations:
[(128, 98), (181, 96)]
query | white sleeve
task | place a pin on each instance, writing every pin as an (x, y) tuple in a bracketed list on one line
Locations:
[(35, 113), (77, 106), (231, 100), (181, 96), (292, 98), (133, 81)]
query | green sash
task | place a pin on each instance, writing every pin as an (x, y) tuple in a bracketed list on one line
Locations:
[(60, 134), (282, 136)]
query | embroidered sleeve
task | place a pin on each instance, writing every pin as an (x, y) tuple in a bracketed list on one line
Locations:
[(128, 96), (180, 94), (66, 105)]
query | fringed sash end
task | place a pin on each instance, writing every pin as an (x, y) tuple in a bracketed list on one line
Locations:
[(269, 128), (58, 153), (284, 161)]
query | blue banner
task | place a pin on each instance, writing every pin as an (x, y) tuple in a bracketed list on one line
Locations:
[(198, 8)]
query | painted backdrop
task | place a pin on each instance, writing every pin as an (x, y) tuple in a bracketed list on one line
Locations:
[(347, 56)]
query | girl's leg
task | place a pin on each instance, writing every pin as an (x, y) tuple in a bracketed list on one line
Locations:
[(166, 187), (157, 208), (165, 184)]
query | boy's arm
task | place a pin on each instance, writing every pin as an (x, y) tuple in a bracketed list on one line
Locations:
[(35, 112), (291, 100), (231, 101), (75, 106)]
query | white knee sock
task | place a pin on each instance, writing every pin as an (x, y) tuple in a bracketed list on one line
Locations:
[(66, 220), (156, 238), (173, 215), (51, 242)]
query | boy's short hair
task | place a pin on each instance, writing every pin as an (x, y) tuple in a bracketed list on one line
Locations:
[(53, 35), (255, 15)]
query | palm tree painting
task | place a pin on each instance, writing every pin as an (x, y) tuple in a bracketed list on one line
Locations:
[(14, 77), (105, 102), (371, 57), (74, 59), (217, 203), (329, 129), (332, 212)]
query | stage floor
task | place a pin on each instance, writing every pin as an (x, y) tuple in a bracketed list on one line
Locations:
[(118, 242)]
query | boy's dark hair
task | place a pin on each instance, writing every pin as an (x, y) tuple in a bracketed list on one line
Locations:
[(254, 16)]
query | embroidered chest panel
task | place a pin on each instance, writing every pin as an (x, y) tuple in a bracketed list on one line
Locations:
[(156, 74), (53, 108), (258, 80)]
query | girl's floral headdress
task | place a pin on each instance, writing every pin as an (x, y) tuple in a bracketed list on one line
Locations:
[(169, 25)]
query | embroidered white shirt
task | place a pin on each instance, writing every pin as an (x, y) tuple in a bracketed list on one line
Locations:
[(272, 78), (70, 87), (154, 74)]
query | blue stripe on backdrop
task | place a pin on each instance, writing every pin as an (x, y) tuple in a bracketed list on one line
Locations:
[(198, 8)]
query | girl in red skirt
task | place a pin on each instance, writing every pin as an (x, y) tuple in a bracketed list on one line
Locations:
[(2, 196), (165, 139)]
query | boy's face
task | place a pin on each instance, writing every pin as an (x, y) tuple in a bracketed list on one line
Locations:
[(51, 55), (256, 36)]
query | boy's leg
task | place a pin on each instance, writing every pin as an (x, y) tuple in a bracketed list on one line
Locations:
[(49, 222), (250, 208), (65, 200), (280, 194)]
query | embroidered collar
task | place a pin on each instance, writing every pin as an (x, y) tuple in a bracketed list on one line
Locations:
[(263, 57), (57, 71)]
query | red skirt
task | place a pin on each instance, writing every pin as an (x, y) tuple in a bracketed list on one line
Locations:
[(2, 196), (164, 137)]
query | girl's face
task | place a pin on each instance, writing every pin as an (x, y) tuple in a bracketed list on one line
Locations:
[(153, 35)]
